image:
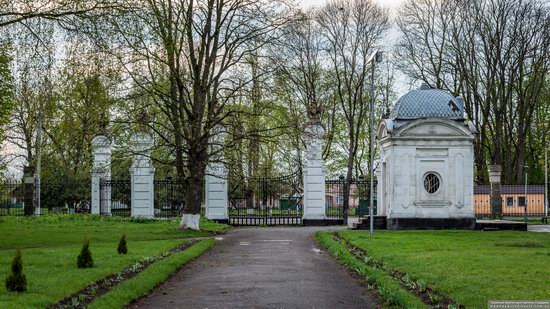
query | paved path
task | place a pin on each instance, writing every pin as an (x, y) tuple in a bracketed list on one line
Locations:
[(539, 228), (262, 268)]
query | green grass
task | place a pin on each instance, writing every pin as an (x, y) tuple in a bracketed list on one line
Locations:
[(50, 245), (150, 278), (388, 288), (471, 267)]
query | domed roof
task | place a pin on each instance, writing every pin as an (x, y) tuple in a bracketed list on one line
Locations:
[(427, 102)]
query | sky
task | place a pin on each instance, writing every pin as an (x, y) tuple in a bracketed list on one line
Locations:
[(402, 84), (392, 4)]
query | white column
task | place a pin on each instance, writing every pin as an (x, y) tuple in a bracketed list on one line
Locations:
[(314, 173), (101, 169), (216, 179), (142, 177)]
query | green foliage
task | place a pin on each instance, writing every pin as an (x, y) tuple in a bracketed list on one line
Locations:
[(122, 247), (84, 259), (6, 88), (16, 281)]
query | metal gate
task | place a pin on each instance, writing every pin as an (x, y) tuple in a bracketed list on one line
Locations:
[(115, 194), (266, 200)]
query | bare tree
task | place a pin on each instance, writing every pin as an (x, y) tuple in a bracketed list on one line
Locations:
[(494, 53), (352, 29)]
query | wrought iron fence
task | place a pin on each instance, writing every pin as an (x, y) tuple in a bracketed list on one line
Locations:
[(12, 198), (62, 196), (116, 194), (517, 201), (358, 197), (169, 197), (266, 200), (70, 195)]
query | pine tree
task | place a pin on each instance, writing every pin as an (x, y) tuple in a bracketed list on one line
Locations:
[(16, 281), (84, 259), (122, 248)]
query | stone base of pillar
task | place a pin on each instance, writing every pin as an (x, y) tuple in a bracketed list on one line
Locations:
[(314, 191), (216, 193)]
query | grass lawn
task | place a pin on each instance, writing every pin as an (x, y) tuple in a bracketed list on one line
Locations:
[(149, 278), (50, 245), (471, 267)]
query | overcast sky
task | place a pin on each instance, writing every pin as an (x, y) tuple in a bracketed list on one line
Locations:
[(389, 3), (402, 84)]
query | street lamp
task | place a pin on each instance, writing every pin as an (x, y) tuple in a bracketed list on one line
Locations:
[(377, 57), (525, 199)]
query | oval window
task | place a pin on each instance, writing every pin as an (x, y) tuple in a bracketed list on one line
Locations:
[(431, 182)]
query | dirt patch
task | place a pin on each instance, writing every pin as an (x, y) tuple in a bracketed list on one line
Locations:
[(86, 295)]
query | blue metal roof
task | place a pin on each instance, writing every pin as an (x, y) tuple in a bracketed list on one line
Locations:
[(425, 103)]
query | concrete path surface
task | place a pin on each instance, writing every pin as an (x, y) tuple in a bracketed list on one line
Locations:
[(278, 267), (539, 228)]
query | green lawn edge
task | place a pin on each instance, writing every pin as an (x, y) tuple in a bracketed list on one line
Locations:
[(148, 279), (388, 288)]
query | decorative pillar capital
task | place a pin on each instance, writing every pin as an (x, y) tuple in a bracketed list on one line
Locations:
[(101, 148), (142, 143)]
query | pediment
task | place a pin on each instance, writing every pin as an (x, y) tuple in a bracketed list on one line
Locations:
[(434, 129)]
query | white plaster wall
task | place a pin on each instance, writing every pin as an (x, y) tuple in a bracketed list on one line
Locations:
[(442, 149)]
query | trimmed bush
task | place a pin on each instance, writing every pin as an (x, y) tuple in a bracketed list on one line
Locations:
[(122, 248), (16, 281), (85, 259)]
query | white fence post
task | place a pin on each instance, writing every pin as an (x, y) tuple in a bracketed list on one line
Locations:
[(216, 201), (101, 169), (314, 175), (142, 177)]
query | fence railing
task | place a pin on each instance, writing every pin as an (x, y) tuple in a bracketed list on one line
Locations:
[(359, 198), (169, 197), (12, 198), (66, 196)]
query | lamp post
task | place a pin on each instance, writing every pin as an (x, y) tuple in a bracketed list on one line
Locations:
[(374, 58), (525, 193), (546, 198)]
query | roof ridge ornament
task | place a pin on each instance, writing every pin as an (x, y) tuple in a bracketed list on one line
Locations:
[(425, 86)]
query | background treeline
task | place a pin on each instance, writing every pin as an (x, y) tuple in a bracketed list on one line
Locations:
[(70, 69)]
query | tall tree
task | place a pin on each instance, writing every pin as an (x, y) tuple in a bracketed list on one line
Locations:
[(185, 55), (352, 30)]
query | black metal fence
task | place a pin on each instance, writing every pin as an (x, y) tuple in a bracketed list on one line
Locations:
[(115, 194), (266, 200), (63, 196), (72, 196), (358, 197), (12, 198), (517, 201), (169, 197)]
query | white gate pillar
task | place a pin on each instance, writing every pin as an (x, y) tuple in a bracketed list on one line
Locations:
[(216, 179), (101, 169), (314, 175), (142, 177)]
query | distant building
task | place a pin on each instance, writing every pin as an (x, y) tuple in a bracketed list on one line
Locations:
[(513, 200)]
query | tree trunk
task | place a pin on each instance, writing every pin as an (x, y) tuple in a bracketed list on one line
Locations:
[(194, 189)]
